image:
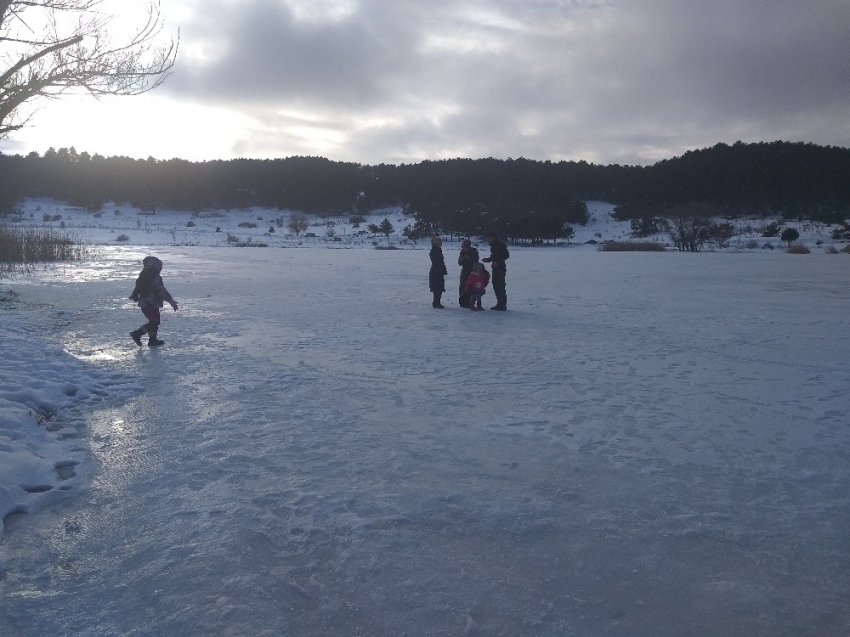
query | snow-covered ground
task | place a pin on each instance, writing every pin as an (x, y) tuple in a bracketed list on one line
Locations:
[(125, 225), (645, 444)]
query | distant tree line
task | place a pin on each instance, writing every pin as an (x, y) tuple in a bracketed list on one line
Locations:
[(792, 180), (522, 199)]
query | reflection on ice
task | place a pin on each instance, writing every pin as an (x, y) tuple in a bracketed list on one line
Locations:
[(77, 348)]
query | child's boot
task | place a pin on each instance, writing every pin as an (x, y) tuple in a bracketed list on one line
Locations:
[(136, 335), (153, 341)]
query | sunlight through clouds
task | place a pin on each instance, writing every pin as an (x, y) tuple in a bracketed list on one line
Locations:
[(404, 80), (143, 126), (322, 10)]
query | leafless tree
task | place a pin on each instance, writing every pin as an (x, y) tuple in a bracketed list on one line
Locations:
[(298, 223), (689, 226), (52, 47)]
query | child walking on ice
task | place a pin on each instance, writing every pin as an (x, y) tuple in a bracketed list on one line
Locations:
[(476, 285), (150, 294)]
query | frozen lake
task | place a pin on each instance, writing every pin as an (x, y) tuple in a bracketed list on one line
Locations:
[(644, 445)]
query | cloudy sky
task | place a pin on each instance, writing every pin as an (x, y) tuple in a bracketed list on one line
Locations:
[(371, 81)]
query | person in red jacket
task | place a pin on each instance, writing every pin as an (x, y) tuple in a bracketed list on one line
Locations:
[(476, 284)]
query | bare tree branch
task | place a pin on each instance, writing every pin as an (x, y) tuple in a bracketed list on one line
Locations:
[(45, 53)]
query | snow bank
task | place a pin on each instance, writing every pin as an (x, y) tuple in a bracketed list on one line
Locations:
[(44, 393)]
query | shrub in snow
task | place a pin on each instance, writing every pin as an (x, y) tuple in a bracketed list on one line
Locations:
[(646, 226), (247, 224), (797, 248), (840, 233), (770, 230), (789, 236), (721, 233), (386, 228), (190, 224), (122, 237)]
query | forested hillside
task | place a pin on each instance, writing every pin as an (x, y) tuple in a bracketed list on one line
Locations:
[(521, 198)]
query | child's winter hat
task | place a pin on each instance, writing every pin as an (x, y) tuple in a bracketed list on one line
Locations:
[(466, 243), (152, 263)]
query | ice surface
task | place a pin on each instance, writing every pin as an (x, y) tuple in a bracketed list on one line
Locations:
[(644, 444)]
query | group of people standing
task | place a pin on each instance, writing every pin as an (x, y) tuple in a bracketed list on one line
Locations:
[(150, 293), (474, 277)]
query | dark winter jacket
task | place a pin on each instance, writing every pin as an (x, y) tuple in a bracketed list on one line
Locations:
[(150, 290), (466, 260), (436, 282), (498, 255)]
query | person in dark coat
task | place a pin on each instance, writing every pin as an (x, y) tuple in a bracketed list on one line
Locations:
[(466, 260), (436, 277), (498, 256), (150, 295)]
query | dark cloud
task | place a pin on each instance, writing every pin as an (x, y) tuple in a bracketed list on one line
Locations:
[(627, 81), (258, 51), (732, 58)]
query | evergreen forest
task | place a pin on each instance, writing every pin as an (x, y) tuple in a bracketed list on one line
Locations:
[(521, 198)]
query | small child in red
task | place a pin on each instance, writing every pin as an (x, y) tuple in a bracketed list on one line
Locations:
[(476, 285)]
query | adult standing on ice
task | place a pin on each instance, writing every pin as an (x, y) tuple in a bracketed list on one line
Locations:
[(466, 260), (498, 255), (150, 294), (436, 276)]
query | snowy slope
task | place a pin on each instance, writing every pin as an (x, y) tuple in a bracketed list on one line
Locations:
[(229, 227)]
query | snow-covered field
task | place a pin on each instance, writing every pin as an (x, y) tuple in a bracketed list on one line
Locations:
[(125, 225), (645, 444)]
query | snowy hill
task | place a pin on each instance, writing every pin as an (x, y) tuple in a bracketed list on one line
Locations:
[(124, 225)]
